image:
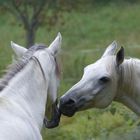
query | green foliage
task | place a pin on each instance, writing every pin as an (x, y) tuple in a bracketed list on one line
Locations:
[(85, 36)]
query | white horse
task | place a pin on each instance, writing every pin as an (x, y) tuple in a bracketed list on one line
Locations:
[(26, 88), (111, 78)]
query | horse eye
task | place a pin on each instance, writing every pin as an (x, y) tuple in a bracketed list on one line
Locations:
[(104, 79)]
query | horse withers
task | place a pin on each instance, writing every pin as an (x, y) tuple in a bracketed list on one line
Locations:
[(27, 89), (111, 78)]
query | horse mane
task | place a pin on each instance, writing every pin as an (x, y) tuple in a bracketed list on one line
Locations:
[(128, 70), (18, 65)]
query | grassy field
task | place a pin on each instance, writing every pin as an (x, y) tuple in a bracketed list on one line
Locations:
[(86, 33)]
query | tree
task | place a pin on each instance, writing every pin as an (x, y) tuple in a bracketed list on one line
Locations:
[(29, 13)]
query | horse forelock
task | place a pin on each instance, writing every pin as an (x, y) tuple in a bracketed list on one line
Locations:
[(18, 65)]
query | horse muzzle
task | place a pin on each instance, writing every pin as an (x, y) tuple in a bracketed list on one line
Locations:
[(56, 114), (67, 107)]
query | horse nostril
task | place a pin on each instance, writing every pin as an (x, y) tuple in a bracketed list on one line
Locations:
[(70, 102), (66, 102)]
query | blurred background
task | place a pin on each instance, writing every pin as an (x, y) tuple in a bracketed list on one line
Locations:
[(87, 28)]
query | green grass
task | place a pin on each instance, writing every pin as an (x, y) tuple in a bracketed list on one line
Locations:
[(86, 33)]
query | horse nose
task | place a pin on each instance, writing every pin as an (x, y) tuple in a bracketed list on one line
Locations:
[(67, 102), (70, 102), (67, 106)]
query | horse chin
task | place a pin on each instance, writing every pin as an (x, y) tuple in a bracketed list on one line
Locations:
[(69, 113)]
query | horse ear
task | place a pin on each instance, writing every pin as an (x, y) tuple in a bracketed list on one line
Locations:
[(19, 50), (120, 56), (56, 44), (111, 49)]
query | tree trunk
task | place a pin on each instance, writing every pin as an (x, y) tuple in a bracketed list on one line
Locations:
[(30, 37)]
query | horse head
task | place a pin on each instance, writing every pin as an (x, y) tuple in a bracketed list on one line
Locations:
[(98, 85), (47, 60)]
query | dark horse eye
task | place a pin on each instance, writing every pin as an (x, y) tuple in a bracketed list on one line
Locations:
[(104, 79)]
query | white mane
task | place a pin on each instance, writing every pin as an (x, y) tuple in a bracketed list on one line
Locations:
[(19, 65), (130, 71)]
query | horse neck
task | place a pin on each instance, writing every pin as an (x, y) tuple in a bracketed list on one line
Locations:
[(128, 90), (28, 90)]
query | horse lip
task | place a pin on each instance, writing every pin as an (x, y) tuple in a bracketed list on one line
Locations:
[(68, 111)]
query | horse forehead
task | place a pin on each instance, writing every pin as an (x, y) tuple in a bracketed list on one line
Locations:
[(46, 59), (97, 65), (42, 55), (105, 62), (94, 70), (103, 65)]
